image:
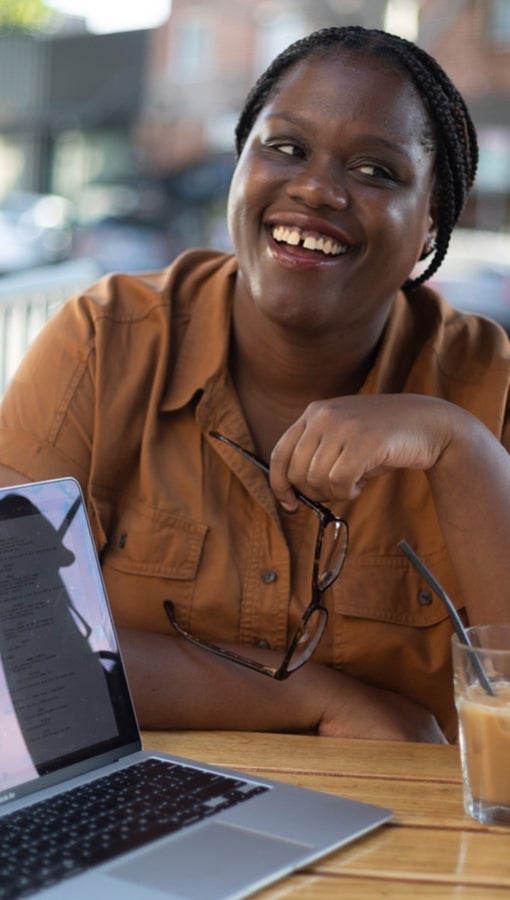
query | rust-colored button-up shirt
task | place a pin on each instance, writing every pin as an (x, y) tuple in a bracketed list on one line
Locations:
[(120, 391)]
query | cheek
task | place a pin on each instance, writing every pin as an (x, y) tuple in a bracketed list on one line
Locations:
[(232, 212), (246, 201), (397, 244), (408, 224), (237, 204)]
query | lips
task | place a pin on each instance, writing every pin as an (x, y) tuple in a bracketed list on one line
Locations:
[(317, 241)]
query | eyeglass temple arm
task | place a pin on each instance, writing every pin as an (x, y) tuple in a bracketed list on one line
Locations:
[(454, 616), (264, 467), (255, 665), (436, 587)]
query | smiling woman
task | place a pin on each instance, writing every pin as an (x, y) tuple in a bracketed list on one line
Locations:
[(380, 410), (355, 166)]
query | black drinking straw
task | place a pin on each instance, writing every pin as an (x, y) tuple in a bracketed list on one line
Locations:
[(452, 612)]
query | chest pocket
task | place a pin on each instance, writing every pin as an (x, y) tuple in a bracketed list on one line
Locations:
[(151, 542), (389, 589)]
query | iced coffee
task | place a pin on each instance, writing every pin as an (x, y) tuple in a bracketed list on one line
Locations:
[(483, 708)]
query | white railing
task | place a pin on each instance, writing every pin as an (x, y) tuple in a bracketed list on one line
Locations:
[(28, 299)]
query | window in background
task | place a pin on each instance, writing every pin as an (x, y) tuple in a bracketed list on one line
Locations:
[(191, 57), (276, 29), (14, 162), (498, 24), (85, 157), (402, 18)]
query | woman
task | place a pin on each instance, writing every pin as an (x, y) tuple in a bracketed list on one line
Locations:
[(356, 154)]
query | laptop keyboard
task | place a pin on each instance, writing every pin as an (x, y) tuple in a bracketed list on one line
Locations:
[(67, 834)]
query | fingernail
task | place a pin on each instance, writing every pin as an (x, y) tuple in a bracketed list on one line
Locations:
[(288, 506)]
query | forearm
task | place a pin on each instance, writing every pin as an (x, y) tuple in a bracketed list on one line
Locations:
[(178, 686), (470, 484)]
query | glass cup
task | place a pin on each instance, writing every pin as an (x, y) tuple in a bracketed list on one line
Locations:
[(484, 721)]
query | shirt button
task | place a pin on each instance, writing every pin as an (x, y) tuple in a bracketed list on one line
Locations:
[(269, 576), (425, 598), (263, 644)]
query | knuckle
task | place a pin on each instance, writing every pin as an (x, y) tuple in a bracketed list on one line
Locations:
[(320, 412), (315, 480)]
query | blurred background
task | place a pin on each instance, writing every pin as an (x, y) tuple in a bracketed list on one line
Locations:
[(116, 135)]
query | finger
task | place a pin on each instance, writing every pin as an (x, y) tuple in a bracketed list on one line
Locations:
[(279, 465), (317, 481)]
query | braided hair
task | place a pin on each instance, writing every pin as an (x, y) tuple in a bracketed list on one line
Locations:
[(454, 132)]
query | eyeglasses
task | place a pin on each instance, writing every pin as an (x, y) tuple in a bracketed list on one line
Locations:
[(330, 552)]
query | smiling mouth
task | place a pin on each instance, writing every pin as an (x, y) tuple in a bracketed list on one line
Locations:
[(310, 240)]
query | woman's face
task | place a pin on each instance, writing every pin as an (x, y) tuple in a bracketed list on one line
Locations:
[(330, 203)]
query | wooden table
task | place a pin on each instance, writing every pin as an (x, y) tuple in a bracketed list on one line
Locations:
[(431, 849)]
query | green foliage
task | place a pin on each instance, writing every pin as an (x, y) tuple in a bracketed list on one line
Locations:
[(23, 15)]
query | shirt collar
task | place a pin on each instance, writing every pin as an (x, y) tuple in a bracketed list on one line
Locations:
[(204, 348), (203, 351)]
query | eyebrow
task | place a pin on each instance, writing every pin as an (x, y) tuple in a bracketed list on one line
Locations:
[(372, 138)]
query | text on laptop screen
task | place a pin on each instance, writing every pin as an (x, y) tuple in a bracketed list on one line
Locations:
[(59, 662)]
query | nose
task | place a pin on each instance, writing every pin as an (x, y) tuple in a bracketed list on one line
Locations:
[(320, 183)]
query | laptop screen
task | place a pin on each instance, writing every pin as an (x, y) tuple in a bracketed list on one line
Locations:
[(63, 693)]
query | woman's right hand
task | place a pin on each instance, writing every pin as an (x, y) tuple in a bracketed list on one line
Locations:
[(352, 709)]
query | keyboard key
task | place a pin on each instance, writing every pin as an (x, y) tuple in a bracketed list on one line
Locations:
[(91, 824)]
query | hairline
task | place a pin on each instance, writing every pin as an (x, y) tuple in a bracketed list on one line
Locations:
[(374, 52)]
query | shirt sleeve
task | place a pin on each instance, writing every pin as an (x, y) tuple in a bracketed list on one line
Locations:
[(47, 411)]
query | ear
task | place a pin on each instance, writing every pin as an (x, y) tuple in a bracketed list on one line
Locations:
[(430, 241), (430, 244)]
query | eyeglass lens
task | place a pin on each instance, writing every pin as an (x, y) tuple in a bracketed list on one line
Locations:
[(307, 637), (332, 552)]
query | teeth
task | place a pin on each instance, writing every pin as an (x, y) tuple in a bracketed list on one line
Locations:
[(294, 237)]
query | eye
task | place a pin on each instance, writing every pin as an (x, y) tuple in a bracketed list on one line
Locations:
[(375, 171), (288, 148)]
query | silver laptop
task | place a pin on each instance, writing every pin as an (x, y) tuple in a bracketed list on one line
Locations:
[(84, 812)]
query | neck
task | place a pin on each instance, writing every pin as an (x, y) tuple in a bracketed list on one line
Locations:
[(277, 372)]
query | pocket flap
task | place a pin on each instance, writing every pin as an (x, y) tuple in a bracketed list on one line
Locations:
[(152, 542), (390, 589)]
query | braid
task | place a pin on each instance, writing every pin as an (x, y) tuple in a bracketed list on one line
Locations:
[(454, 132)]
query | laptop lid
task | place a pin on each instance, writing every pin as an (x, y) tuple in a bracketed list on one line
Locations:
[(65, 710), (65, 706)]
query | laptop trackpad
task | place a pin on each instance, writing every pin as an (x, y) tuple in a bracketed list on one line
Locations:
[(193, 865)]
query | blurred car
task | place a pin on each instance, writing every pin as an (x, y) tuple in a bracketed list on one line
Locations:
[(124, 227), (35, 230), (121, 245), (475, 275)]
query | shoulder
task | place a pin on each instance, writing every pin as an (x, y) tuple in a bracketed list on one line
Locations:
[(462, 344), (133, 297), (460, 357)]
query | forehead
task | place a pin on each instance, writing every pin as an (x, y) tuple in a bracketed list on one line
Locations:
[(359, 88)]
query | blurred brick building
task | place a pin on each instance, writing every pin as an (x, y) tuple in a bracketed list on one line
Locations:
[(471, 39), (205, 58), (78, 108)]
